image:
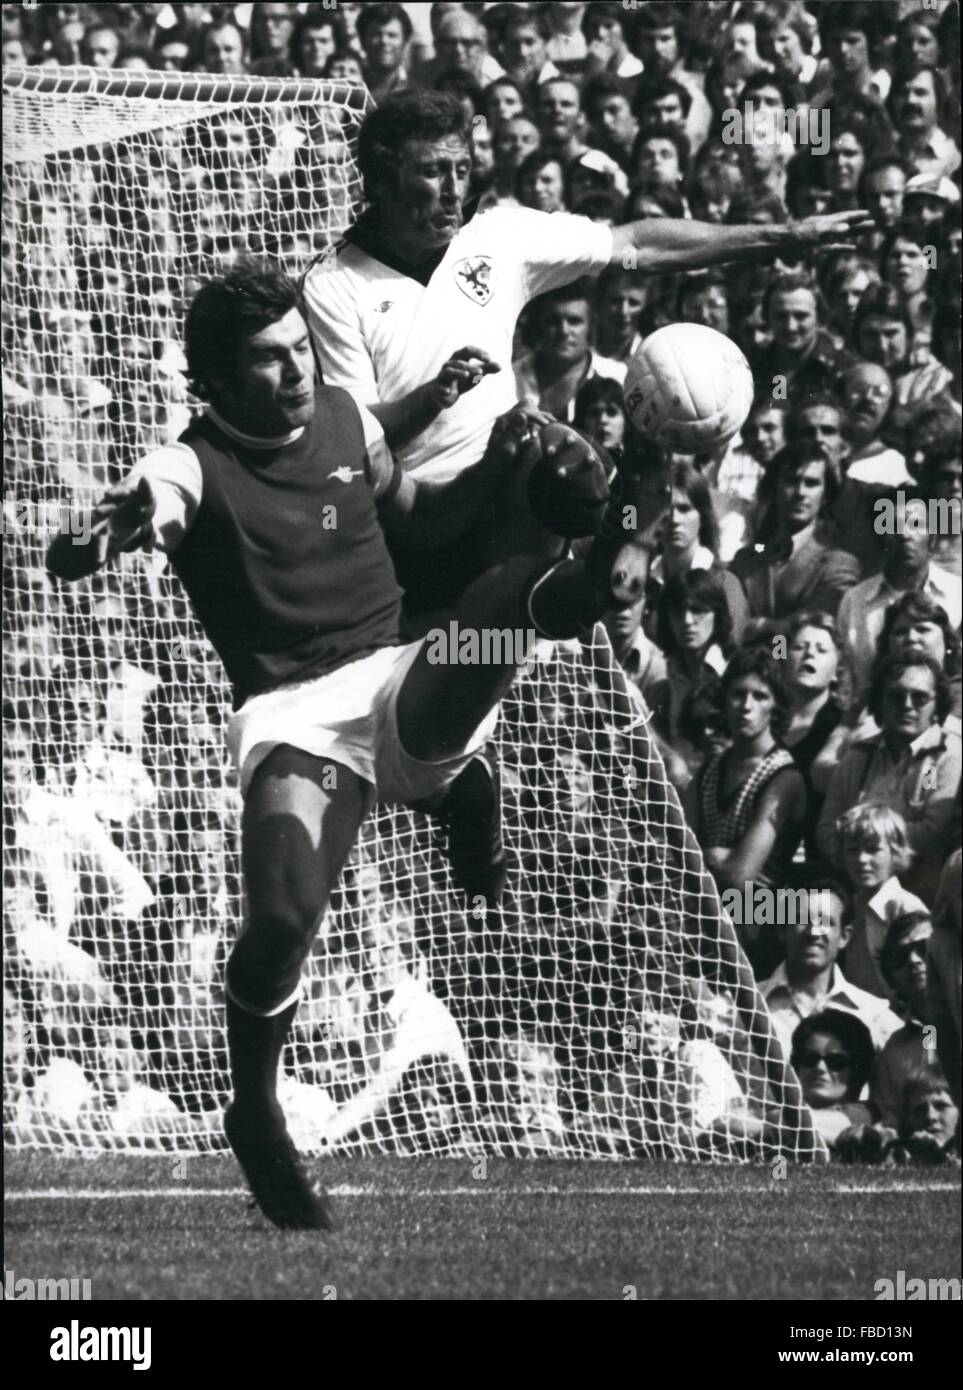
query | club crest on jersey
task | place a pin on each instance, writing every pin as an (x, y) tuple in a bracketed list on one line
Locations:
[(474, 276)]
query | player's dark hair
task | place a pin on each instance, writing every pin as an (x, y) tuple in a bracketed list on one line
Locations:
[(402, 117), (759, 661), (890, 668), (247, 297), (374, 16)]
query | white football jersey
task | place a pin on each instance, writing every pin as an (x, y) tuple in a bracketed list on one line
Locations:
[(381, 334)]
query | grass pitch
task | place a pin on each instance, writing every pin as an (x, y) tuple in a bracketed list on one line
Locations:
[(159, 1227)]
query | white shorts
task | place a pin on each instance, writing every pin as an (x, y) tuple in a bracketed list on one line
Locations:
[(349, 716)]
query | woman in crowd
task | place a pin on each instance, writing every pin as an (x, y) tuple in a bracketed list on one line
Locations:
[(917, 626), (832, 1054), (693, 628), (747, 805), (912, 764), (815, 734), (689, 541)]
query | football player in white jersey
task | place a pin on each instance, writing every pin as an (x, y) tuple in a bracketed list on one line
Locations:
[(414, 312)]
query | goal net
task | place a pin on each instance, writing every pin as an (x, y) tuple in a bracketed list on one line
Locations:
[(603, 1010)]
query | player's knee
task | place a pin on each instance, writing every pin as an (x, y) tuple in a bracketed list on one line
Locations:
[(284, 931)]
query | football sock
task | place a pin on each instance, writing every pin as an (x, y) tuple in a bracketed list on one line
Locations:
[(255, 1043)]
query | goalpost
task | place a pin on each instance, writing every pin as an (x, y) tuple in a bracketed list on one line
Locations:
[(604, 1011)]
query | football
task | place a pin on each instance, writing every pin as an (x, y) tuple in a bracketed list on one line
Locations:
[(688, 388)]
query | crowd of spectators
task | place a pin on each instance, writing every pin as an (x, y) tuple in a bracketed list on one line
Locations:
[(798, 645)]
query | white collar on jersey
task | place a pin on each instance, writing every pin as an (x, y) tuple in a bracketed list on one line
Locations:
[(252, 441)]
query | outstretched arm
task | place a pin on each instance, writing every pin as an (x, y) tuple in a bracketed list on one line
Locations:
[(661, 245), (122, 520)]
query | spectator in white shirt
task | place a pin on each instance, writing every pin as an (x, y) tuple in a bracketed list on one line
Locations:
[(867, 393), (562, 357), (810, 980), (921, 110)]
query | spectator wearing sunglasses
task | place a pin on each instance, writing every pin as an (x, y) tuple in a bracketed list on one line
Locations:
[(911, 1050), (832, 1054)]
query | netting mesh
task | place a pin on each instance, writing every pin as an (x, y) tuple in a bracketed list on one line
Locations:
[(605, 1010)]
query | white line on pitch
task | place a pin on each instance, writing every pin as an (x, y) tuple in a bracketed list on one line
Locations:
[(479, 1189)]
